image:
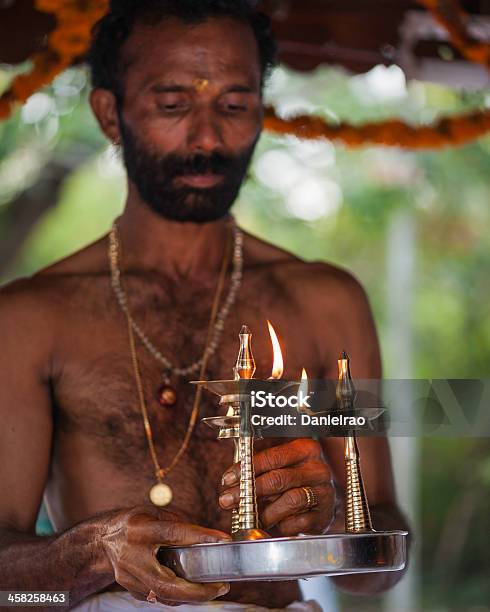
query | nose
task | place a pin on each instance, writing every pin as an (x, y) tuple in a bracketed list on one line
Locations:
[(205, 133)]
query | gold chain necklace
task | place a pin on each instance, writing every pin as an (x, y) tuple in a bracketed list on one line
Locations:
[(166, 393), (161, 494)]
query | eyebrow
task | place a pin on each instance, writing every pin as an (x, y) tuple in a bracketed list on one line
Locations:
[(161, 88), (174, 88), (240, 89)]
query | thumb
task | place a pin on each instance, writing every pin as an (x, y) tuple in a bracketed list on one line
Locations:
[(185, 534)]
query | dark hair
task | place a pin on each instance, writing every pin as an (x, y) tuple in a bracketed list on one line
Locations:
[(112, 31)]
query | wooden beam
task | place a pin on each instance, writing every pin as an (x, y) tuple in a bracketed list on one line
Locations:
[(22, 31)]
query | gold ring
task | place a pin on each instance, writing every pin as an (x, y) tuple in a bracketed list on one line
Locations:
[(151, 597), (311, 498)]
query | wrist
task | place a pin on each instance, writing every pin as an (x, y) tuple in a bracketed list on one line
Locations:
[(102, 565), (90, 537)]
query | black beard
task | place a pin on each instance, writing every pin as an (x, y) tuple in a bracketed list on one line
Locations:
[(154, 177)]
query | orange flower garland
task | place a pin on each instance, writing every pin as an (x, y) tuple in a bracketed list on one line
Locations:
[(71, 38), (452, 17), (392, 133), (66, 43), (449, 131)]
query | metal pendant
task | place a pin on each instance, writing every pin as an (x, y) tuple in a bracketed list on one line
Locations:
[(167, 396), (161, 494)]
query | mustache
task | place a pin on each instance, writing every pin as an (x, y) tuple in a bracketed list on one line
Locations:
[(214, 163)]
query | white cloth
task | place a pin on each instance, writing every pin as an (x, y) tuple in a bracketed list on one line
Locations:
[(122, 601)]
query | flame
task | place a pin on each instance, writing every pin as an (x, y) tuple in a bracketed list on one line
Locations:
[(278, 366), (303, 386)]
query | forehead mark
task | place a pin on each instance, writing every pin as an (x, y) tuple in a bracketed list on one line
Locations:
[(200, 84)]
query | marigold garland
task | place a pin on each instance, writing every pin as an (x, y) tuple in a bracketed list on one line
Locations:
[(454, 19), (392, 133), (68, 41), (71, 38)]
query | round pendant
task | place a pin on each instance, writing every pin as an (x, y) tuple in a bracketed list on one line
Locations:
[(167, 396), (161, 494)]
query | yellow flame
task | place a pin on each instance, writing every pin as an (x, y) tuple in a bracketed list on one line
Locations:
[(303, 386), (278, 366)]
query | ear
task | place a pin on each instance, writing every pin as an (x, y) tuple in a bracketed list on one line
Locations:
[(104, 107)]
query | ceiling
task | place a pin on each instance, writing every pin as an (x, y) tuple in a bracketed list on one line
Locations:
[(357, 34)]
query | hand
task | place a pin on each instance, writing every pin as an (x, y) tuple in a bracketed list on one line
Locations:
[(131, 542), (281, 472)]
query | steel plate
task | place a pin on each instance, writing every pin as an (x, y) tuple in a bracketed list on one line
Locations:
[(288, 558)]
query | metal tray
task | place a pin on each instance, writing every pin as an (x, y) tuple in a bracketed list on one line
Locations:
[(288, 558)]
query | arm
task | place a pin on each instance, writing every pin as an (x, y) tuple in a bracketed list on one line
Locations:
[(68, 562), (120, 545), (73, 561)]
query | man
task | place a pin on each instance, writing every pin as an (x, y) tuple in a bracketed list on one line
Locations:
[(178, 85)]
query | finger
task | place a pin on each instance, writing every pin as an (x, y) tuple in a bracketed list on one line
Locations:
[(167, 586), (138, 596), (301, 523), (145, 599), (295, 501), (278, 481), (290, 453), (180, 590), (161, 533), (263, 502), (138, 589), (315, 521), (162, 601)]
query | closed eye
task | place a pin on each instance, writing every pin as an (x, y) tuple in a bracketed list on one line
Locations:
[(171, 102), (172, 107), (237, 107), (235, 102)]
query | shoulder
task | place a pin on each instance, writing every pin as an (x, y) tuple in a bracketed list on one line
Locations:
[(329, 296), (89, 261), (330, 283), (25, 327), (331, 305), (323, 281), (45, 284), (28, 306), (262, 254)]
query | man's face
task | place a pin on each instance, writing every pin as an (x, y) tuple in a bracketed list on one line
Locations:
[(191, 115)]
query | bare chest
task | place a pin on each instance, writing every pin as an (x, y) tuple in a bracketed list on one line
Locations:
[(96, 406)]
